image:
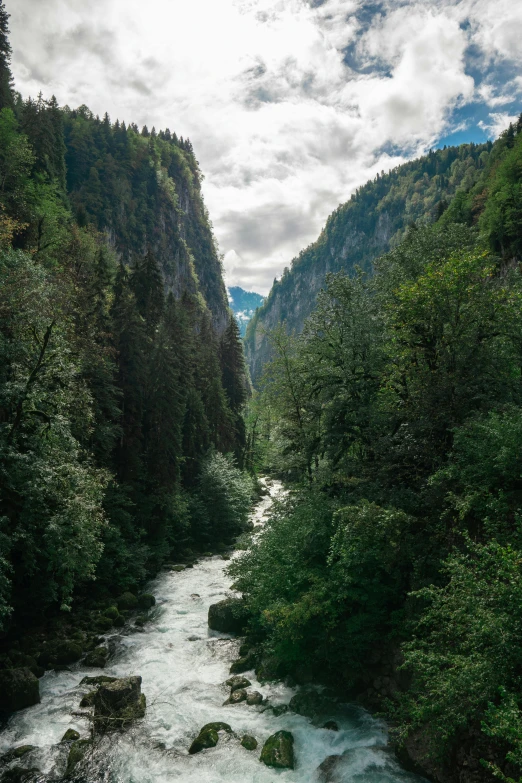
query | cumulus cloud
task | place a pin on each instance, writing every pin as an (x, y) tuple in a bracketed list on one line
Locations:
[(289, 103)]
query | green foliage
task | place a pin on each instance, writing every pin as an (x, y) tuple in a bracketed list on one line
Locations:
[(467, 643), (115, 384), (399, 408), (224, 499)]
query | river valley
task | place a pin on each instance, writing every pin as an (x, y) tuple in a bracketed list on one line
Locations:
[(184, 666)]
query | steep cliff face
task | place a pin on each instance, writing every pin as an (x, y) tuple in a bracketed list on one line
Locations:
[(144, 192), (375, 219)]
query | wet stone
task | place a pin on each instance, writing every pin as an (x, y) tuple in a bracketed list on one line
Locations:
[(234, 683), (253, 698), (249, 742), (278, 751), (236, 697)]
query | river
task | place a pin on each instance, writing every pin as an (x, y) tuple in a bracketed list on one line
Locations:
[(184, 665)]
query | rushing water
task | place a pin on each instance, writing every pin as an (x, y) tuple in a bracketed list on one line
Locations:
[(184, 665)]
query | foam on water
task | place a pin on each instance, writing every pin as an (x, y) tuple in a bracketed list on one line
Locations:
[(184, 665)]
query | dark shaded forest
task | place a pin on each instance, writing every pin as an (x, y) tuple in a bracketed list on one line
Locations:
[(121, 370)]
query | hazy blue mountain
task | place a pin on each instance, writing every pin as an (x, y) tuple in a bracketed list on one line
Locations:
[(244, 304)]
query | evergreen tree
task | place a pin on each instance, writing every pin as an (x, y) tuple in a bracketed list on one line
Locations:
[(6, 78)]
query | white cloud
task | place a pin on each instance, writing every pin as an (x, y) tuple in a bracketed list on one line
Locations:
[(283, 127)]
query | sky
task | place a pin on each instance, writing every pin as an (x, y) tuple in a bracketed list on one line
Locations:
[(290, 104)]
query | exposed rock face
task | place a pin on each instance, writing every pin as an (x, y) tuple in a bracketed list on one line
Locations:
[(356, 233), (278, 751), (19, 688), (118, 703), (227, 616)]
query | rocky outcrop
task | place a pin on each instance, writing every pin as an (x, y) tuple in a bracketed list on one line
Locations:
[(278, 751), (19, 688)]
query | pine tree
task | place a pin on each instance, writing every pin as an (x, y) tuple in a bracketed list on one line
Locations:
[(147, 284), (6, 77)]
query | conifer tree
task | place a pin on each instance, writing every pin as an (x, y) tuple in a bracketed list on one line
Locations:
[(6, 78)]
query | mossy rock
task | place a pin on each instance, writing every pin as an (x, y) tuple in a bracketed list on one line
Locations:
[(70, 736), (249, 742), (19, 688), (127, 601), (312, 703), (204, 740), (278, 751), (101, 679), (208, 736), (254, 698), (112, 612), (268, 669), (236, 697), (21, 775), (118, 703), (178, 568), (17, 753), (119, 621), (97, 658), (88, 700), (280, 709), (146, 601), (104, 623), (76, 754), (242, 664), (66, 652), (141, 620), (234, 683)]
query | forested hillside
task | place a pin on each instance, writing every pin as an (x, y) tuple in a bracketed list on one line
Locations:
[(121, 370), (374, 220), (396, 419)]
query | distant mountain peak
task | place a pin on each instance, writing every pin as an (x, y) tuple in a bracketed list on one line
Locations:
[(243, 304)]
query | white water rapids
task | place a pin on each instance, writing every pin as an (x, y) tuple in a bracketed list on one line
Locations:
[(184, 665)]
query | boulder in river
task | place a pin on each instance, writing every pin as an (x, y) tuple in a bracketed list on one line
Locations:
[(118, 703), (331, 725), (208, 736), (311, 703), (249, 742), (97, 658), (19, 688), (228, 616), (253, 698), (66, 652), (76, 754), (243, 664), (236, 697), (70, 736), (16, 753), (234, 683), (278, 751)]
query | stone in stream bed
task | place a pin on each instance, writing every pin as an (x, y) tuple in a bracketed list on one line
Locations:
[(243, 664), (70, 736), (208, 736), (97, 658), (117, 703), (234, 683), (331, 725), (249, 742), (253, 698), (278, 751), (16, 753), (77, 753), (19, 688), (236, 697), (228, 616)]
